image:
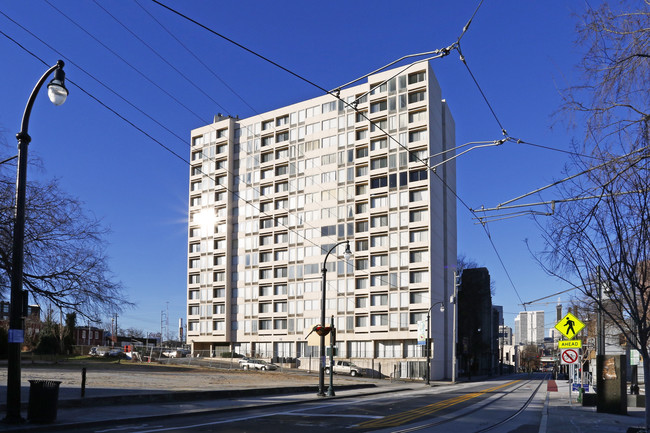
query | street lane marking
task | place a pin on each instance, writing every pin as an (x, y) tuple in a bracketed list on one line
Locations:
[(410, 415)]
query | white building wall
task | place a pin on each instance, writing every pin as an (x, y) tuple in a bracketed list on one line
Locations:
[(267, 192)]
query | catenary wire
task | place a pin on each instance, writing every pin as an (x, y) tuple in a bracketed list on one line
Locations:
[(457, 46)]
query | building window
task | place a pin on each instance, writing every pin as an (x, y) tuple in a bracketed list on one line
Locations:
[(267, 141), (419, 256), (418, 297), (380, 201), (280, 121), (280, 324), (378, 163), (419, 277), (417, 216), (418, 195), (378, 182), (379, 320), (417, 135), (379, 221), (265, 325), (379, 260), (362, 152), (378, 280), (378, 106), (379, 299), (417, 77), (419, 236), (416, 317), (417, 96), (382, 143), (416, 175)]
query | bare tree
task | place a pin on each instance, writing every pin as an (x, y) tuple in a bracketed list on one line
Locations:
[(602, 239), (65, 260)]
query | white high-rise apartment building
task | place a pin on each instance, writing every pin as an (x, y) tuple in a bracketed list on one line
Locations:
[(271, 194), (529, 327)]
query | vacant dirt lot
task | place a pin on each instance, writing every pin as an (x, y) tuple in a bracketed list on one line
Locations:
[(114, 379)]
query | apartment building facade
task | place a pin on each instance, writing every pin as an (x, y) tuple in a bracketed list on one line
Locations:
[(271, 194)]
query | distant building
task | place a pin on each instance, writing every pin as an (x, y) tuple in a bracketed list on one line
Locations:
[(33, 311), (477, 324), (505, 335), (499, 310), (88, 336), (529, 327)]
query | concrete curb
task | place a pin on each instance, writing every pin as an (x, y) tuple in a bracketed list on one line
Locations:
[(183, 396), (71, 425)]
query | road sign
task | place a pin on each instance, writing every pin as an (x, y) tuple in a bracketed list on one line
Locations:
[(569, 356), (569, 326), (568, 344), (575, 387)]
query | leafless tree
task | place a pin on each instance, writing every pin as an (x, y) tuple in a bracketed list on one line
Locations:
[(65, 260), (601, 240)]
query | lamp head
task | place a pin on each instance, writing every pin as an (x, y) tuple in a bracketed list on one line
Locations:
[(347, 254), (56, 90), (442, 308)]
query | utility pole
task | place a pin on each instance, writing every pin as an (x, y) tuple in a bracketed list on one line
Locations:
[(453, 342)]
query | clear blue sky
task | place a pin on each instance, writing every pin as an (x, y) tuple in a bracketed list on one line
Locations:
[(520, 52)]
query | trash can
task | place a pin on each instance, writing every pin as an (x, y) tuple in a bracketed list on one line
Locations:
[(43, 400)]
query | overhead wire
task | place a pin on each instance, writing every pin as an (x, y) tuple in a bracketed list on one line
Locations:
[(445, 52), (235, 193)]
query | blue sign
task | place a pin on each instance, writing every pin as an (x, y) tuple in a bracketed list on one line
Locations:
[(576, 387)]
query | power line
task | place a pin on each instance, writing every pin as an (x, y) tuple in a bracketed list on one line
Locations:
[(441, 53), (126, 62)]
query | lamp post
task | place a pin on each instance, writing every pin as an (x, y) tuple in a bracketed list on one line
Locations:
[(321, 371), (454, 329), (57, 93), (442, 310)]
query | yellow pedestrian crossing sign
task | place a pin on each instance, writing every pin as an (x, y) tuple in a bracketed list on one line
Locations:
[(569, 326)]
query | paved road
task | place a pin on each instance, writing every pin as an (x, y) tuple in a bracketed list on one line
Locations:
[(462, 408)]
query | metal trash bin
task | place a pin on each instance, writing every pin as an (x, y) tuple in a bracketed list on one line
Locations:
[(43, 400)]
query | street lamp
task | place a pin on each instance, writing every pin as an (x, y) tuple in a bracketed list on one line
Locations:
[(321, 371), (57, 92), (442, 310)]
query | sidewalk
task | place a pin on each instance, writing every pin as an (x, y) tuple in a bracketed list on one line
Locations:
[(173, 394), (562, 413)]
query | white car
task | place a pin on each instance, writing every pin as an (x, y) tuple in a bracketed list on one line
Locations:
[(258, 364)]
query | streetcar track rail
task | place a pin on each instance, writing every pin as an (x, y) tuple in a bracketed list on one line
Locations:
[(481, 406)]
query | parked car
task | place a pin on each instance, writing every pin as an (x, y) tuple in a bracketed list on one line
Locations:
[(99, 351), (244, 359), (258, 364), (116, 353), (346, 367)]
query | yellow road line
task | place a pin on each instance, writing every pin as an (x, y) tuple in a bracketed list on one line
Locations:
[(404, 417)]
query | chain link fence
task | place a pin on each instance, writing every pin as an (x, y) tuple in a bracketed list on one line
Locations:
[(378, 368)]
